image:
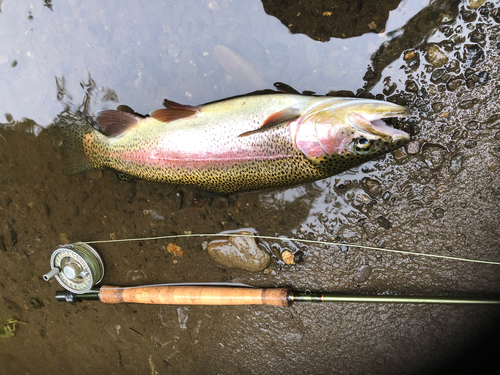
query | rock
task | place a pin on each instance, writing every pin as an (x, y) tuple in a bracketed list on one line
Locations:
[(474, 4), (384, 222), (482, 77), (436, 56), (434, 156), (409, 55), (175, 250), (470, 143), (373, 186), (399, 155), (239, 252), (455, 84), (473, 54), (456, 164), (288, 257), (413, 147), (437, 107), (437, 75), (466, 104), (363, 274), (438, 213)]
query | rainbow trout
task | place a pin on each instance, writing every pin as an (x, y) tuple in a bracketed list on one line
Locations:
[(245, 143)]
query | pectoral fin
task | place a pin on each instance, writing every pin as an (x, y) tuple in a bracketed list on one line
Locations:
[(114, 123), (287, 114)]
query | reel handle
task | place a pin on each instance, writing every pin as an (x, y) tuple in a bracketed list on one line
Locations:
[(195, 295)]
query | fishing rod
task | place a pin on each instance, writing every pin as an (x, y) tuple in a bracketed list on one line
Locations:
[(178, 294), (78, 268)]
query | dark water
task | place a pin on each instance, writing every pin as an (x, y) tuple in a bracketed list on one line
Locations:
[(439, 195)]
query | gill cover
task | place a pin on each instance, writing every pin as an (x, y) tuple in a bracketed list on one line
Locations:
[(348, 126)]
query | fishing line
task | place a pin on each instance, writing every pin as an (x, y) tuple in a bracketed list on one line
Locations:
[(317, 242)]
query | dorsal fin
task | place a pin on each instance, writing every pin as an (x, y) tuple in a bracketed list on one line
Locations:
[(168, 115), (276, 118), (171, 104), (116, 122), (286, 89)]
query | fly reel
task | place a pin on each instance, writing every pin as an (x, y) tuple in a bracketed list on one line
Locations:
[(77, 267)]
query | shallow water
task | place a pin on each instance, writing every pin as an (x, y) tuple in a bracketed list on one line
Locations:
[(438, 195)]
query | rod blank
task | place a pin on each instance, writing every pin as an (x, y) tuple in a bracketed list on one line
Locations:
[(326, 297)]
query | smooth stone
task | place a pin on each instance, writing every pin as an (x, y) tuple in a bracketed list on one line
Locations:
[(436, 56), (363, 274), (239, 252)]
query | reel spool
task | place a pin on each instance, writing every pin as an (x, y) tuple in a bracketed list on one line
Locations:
[(77, 267)]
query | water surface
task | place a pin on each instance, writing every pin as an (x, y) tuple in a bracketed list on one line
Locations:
[(438, 195)]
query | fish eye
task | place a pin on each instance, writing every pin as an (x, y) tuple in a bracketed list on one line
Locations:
[(363, 143), (363, 146)]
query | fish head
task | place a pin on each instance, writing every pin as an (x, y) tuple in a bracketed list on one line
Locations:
[(342, 132)]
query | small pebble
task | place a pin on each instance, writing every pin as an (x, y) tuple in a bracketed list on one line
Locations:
[(455, 84), (436, 56), (175, 250), (456, 164), (409, 55), (399, 155), (363, 274), (438, 213), (288, 257), (434, 156), (413, 147), (482, 77), (373, 186), (384, 222), (470, 143), (437, 107), (474, 4)]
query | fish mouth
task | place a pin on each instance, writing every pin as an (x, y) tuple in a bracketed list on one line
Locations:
[(369, 117)]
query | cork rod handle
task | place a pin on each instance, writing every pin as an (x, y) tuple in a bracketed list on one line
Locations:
[(195, 295)]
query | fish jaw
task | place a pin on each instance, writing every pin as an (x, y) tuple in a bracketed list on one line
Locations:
[(352, 128)]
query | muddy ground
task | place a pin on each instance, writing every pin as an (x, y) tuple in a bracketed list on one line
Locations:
[(438, 195)]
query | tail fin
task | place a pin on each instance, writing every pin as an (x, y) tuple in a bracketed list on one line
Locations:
[(76, 128)]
